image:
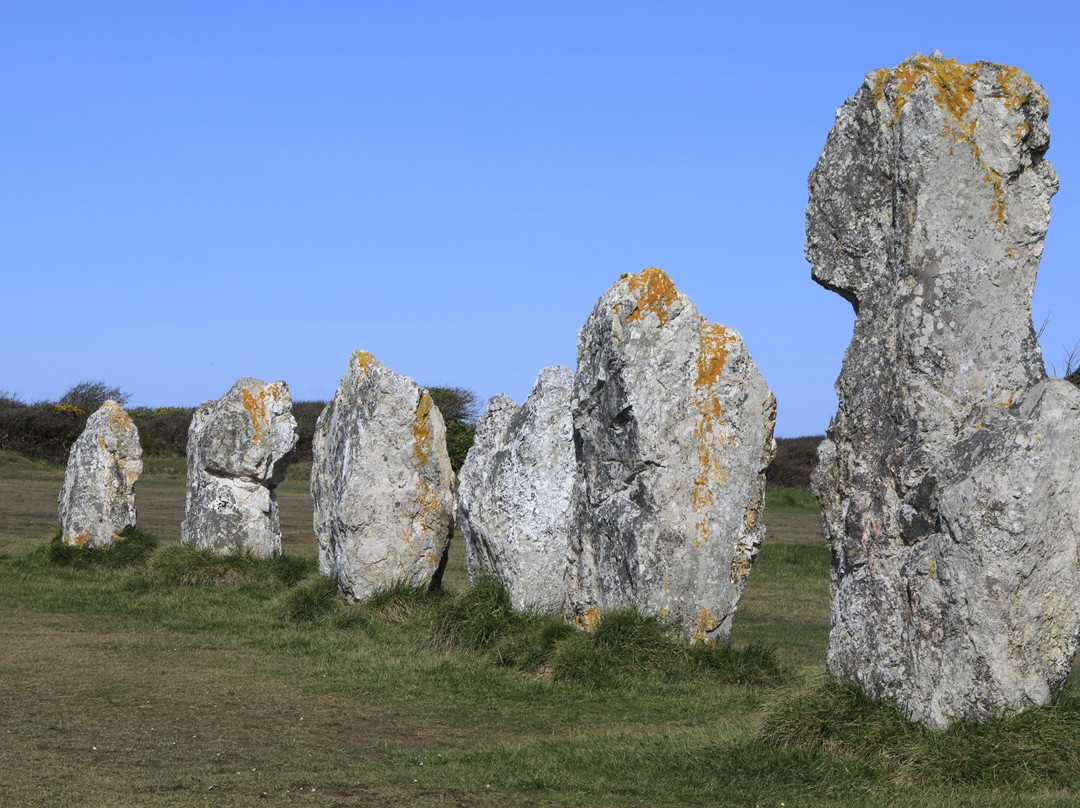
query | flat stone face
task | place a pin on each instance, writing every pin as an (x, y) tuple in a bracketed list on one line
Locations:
[(97, 501), (673, 432), (381, 482), (948, 479), (239, 450), (514, 492)]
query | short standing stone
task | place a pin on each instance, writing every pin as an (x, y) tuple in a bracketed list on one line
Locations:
[(514, 492), (381, 482), (673, 426), (97, 501), (950, 479), (239, 450)]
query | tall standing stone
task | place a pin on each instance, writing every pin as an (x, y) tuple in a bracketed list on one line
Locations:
[(381, 482), (673, 430), (97, 500), (239, 450), (514, 492), (950, 479)]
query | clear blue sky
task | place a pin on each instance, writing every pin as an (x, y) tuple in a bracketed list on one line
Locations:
[(195, 191)]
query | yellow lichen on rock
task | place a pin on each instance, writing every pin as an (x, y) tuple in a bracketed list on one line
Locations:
[(587, 619), (255, 405), (706, 622), (656, 294), (1016, 87), (953, 87), (713, 356), (421, 429), (363, 362), (711, 359)]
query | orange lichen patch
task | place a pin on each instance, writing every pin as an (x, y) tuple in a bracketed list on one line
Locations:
[(706, 622), (78, 541), (255, 404), (1008, 402), (881, 76), (953, 84), (954, 92), (715, 340), (588, 618), (421, 429), (997, 207), (714, 353), (429, 558), (1016, 87), (363, 361), (933, 570), (656, 293)]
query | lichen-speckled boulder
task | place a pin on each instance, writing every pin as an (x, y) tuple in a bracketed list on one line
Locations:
[(673, 427), (239, 450), (381, 482), (97, 501), (514, 492), (950, 479)]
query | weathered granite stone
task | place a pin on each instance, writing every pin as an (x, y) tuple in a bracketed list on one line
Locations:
[(949, 479), (381, 482), (514, 492), (673, 431), (97, 501), (239, 450)]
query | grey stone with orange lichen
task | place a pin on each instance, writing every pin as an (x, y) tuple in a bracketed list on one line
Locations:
[(673, 428), (239, 450), (381, 482), (950, 478), (97, 501), (514, 492)]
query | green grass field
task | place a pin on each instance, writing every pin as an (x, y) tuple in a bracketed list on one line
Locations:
[(149, 685)]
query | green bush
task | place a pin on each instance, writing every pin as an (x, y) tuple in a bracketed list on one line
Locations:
[(163, 430), (39, 431), (795, 461)]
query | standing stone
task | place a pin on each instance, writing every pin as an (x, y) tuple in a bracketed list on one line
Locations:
[(97, 501), (673, 428), (950, 479), (514, 492), (381, 482), (239, 450)]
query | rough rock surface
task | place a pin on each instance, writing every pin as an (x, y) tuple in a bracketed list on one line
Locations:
[(239, 450), (950, 479), (514, 492), (97, 501), (673, 431), (381, 482)]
